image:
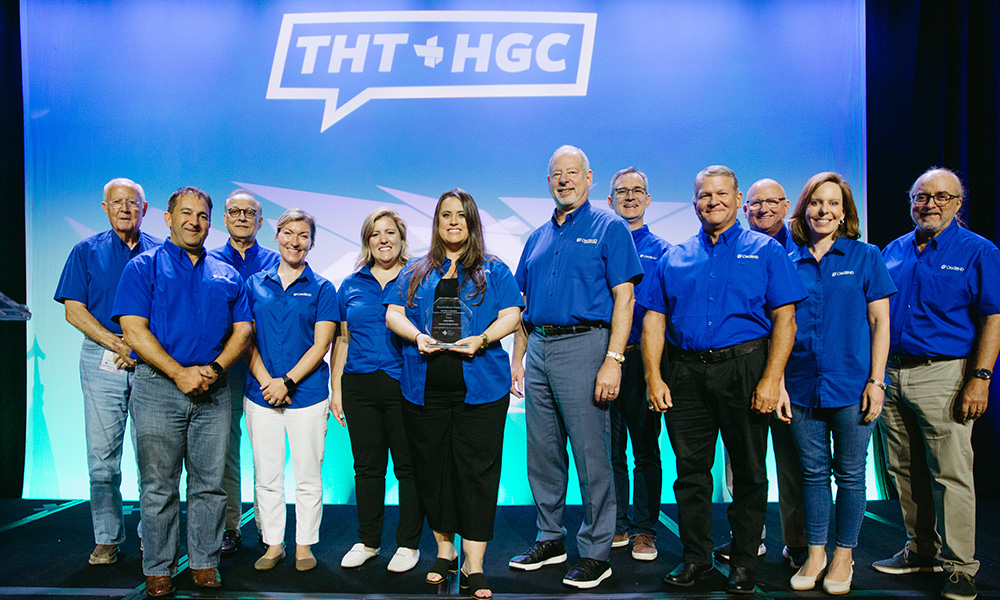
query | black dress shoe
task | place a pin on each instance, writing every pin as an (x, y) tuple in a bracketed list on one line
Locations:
[(741, 581), (686, 574), (230, 541)]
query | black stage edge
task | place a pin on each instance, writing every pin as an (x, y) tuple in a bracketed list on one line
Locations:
[(45, 545)]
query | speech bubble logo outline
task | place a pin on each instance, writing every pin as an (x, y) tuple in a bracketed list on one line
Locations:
[(332, 113)]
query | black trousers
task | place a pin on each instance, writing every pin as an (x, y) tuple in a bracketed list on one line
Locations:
[(373, 404), (709, 399), (457, 450)]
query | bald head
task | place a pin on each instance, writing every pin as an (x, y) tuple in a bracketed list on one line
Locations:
[(766, 206)]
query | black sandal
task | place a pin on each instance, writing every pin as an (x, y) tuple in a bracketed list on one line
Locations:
[(472, 583), (443, 567)]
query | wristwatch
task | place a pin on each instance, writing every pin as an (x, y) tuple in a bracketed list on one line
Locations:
[(485, 338), (880, 384), (983, 374), (217, 368), (289, 384), (618, 356)]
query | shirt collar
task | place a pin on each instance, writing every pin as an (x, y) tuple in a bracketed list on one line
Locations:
[(180, 254), (726, 237), (248, 254), (802, 252), (583, 210), (941, 238), (638, 234), (306, 274)]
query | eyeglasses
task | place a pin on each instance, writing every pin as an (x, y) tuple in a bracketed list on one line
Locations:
[(236, 212), (638, 192), (941, 199), (770, 202), (131, 203)]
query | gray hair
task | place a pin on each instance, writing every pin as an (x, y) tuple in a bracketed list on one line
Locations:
[(567, 149), (715, 171), (934, 170), (244, 193), (124, 182), (626, 171), (297, 214)]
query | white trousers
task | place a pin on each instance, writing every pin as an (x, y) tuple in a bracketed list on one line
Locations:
[(306, 432)]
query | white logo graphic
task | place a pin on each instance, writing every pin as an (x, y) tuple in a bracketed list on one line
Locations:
[(952, 268), (430, 54), (841, 273), (747, 256), (587, 240)]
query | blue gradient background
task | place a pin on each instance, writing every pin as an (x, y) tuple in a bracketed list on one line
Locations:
[(173, 93)]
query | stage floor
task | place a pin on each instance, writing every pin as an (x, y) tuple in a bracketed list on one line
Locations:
[(45, 545)]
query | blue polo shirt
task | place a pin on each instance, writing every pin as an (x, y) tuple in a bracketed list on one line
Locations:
[(567, 271), (784, 237), (190, 308), (93, 269), (487, 375), (718, 295), (256, 258), (650, 248), (372, 347), (831, 358), (286, 328), (943, 291)]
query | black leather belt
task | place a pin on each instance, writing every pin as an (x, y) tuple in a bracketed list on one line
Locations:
[(906, 361), (718, 354), (567, 329)]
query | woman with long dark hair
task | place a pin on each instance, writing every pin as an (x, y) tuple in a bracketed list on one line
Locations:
[(835, 376), (452, 308), (365, 379)]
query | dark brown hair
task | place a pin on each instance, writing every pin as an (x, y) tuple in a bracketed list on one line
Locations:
[(473, 255), (848, 228)]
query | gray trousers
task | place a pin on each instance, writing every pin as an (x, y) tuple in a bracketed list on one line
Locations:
[(560, 375), (929, 453)]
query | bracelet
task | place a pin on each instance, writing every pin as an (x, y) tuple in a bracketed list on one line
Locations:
[(417, 337), (485, 338), (880, 384)]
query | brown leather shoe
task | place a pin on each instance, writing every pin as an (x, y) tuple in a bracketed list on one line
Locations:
[(206, 578), (158, 586)]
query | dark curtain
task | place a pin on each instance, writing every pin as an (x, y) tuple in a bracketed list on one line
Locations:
[(13, 407), (934, 100)]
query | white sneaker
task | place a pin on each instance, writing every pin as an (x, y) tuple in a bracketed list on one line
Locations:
[(358, 556), (403, 560)]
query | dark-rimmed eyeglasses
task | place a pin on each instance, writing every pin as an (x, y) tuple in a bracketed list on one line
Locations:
[(770, 202), (236, 212), (941, 199)]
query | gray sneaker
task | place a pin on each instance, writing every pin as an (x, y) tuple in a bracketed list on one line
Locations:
[(104, 554), (959, 586), (904, 562)]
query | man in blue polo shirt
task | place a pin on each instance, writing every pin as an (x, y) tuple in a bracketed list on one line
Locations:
[(718, 298), (576, 273), (765, 209), (944, 337), (87, 289), (186, 317), (243, 217), (631, 418)]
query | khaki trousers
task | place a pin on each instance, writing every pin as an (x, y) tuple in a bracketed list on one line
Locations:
[(929, 453)]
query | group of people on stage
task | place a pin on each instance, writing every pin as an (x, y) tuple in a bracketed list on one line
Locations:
[(796, 329)]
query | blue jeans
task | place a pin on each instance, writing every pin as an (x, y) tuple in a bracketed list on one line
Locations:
[(173, 432), (811, 430), (105, 413)]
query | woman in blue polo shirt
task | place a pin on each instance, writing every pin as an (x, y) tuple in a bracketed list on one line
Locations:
[(295, 314), (456, 381), (366, 367), (835, 375)]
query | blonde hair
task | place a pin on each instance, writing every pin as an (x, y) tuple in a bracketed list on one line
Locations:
[(365, 258)]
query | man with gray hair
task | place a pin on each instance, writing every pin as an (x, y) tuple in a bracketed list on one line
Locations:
[(631, 418), (576, 273), (725, 300), (87, 289), (243, 216), (944, 339)]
